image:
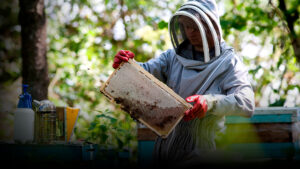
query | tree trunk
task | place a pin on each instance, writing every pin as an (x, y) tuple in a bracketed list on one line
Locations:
[(291, 16), (33, 23), (296, 46)]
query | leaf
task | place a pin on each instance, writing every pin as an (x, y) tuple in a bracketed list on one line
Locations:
[(120, 143), (291, 87), (112, 120), (162, 25), (277, 103), (276, 91), (93, 125), (104, 137), (279, 62), (254, 71), (103, 127)]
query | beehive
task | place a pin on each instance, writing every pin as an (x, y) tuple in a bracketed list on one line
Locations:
[(145, 98)]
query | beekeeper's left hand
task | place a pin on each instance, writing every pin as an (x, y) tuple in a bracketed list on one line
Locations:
[(199, 109)]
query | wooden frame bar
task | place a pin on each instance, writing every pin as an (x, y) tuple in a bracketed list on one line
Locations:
[(145, 98)]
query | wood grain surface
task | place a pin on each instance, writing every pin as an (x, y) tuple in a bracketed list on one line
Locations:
[(145, 98)]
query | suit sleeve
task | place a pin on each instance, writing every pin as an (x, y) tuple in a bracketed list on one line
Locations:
[(159, 66), (239, 97)]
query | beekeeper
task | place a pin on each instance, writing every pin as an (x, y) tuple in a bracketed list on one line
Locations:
[(206, 71)]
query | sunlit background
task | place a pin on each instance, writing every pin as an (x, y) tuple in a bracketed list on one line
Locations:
[(84, 36)]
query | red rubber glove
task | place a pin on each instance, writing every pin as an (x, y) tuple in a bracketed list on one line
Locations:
[(199, 109), (122, 56)]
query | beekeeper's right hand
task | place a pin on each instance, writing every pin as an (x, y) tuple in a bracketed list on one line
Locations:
[(122, 56)]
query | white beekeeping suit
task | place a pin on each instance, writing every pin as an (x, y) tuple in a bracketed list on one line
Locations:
[(217, 73)]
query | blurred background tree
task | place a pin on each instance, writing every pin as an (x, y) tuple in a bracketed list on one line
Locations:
[(84, 35), (33, 22), (266, 35)]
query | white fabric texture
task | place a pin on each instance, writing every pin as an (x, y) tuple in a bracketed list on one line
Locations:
[(227, 90), (223, 81)]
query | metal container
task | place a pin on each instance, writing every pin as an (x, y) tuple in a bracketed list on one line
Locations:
[(45, 127)]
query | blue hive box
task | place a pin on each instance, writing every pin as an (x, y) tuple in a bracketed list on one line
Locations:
[(272, 133)]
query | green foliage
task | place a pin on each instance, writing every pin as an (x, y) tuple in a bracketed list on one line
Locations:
[(83, 39), (10, 59), (162, 25), (259, 23), (278, 103), (107, 130)]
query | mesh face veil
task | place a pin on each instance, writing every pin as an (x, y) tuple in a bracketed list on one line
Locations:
[(195, 23)]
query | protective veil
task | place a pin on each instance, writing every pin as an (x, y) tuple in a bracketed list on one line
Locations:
[(206, 21), (220, 77)]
